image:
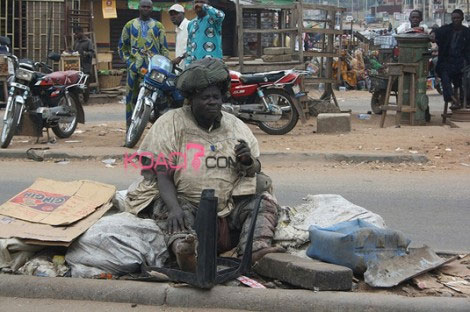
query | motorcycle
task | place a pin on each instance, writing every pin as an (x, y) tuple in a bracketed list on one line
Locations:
[(269, 100), (43, 100), (157, 95)]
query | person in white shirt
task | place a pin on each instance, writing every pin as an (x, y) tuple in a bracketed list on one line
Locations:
[(413, 24), (177, 17)]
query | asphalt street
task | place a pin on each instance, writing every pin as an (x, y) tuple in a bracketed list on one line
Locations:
[(429, 207)]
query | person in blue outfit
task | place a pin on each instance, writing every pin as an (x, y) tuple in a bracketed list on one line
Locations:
[(141, 37), (204, 33)]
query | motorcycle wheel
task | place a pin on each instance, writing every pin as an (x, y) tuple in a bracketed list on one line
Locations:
[(289, 117), (377, 100), (9, 126), (137, 126), (66, 129)]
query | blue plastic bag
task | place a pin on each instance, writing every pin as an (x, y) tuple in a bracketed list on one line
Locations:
[(354, 244)]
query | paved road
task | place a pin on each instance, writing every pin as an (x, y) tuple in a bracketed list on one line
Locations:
[(429, 207), (50, 305)]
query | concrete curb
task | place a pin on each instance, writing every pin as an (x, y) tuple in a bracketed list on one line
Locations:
[(346, 156), (219, 297), (268, 156)]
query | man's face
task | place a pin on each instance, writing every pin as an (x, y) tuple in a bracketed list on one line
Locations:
[(176, 17), (145, 9), (198, 7), (79, 35), (415, 19), (457, 19), (207, 105)]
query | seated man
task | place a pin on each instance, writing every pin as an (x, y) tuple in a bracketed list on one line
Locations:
[(200, 147)]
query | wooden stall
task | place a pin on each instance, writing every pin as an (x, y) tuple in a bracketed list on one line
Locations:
[(328, 25)]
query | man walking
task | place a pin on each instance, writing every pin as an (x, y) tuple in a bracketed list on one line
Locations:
[(453, 41), (177, 17), (205, 33), (141, 38)]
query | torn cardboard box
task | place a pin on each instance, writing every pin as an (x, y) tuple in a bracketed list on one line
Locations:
[(58, 203), (44, 234)]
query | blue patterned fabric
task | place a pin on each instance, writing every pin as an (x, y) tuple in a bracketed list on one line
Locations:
[(205, 35)]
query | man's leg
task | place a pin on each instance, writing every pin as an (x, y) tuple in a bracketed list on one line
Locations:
[(266, 222), (457, 83), (132, 91), (182, 244), (446, 83)]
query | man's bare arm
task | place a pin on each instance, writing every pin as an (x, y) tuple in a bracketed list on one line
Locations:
[(168, 194)]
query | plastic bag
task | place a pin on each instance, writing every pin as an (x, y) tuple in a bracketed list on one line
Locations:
[(118, 244)]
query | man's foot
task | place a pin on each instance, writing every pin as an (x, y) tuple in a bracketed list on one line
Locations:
[(185, 252), (257, 255), (455, 103)]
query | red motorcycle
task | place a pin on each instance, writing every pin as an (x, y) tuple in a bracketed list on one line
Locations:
[(41, 101), (271, 100)]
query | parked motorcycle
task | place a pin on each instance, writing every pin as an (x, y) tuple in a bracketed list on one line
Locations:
[(269, 99), (48, 101), (157, 95)]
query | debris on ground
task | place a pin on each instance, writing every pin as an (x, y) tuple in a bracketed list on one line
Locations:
[(321, 210), (355, 244), (391, 271)]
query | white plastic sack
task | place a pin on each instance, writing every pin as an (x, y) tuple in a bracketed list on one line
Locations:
[(14, 253), (118, 244), (322, 210)]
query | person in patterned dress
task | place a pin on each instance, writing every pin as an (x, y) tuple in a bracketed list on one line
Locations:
[(141, 37), (204, 33)]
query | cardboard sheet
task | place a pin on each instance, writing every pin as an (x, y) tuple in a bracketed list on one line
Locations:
[(44, 234), (56, 202)]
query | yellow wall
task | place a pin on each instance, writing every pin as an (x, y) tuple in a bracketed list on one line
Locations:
[(101, 24)]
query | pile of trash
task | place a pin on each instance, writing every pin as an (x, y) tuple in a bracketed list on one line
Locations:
[(68, 229)]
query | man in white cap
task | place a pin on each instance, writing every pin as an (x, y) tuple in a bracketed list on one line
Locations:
[(177, 17)]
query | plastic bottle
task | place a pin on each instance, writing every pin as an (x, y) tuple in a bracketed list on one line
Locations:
[(363, 116)]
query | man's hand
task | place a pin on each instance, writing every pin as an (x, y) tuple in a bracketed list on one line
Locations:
[(177, 60), (175, 221), (243, 153), (198, 7)]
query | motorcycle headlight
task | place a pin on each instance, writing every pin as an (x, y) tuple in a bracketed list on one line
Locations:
[(11, 67), (158, 77), (24, 74)]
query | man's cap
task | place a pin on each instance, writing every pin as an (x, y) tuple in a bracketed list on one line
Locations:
[(201, 74), (176, 7)]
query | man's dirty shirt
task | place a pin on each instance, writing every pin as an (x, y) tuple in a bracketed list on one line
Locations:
[(176, 130)]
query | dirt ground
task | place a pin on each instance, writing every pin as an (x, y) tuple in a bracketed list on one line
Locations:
[(445, 147)]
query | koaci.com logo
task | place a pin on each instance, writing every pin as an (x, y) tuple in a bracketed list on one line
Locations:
[(177, 160)]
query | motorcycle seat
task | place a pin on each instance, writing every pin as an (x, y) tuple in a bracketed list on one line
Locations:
[(63, 78), (260, 78)]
